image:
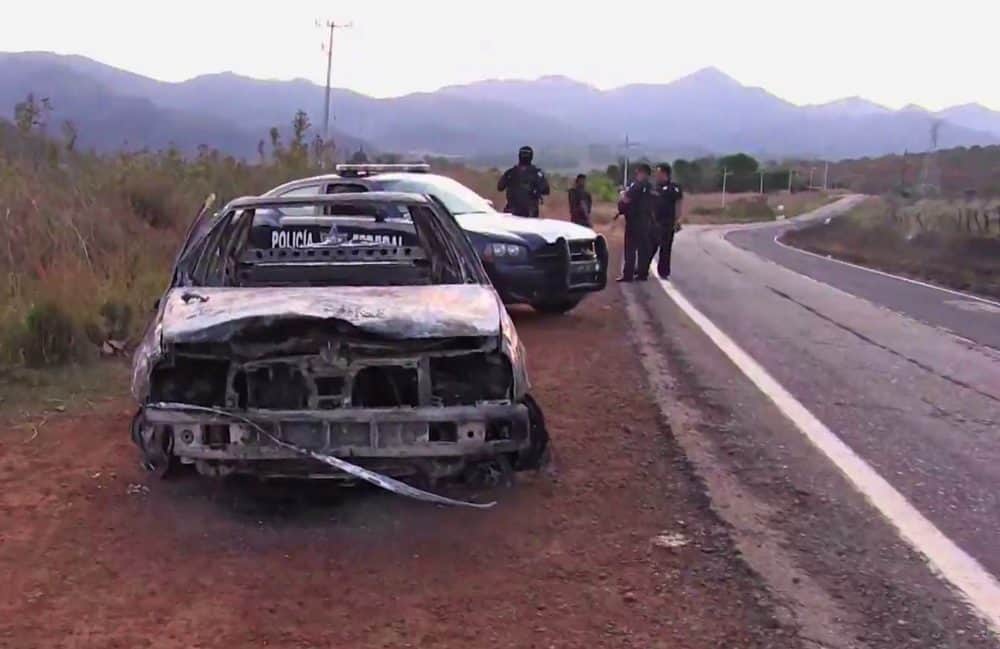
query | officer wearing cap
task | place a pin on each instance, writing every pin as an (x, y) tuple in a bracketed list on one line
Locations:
[(525, 185), (667, 197), (637, 205)]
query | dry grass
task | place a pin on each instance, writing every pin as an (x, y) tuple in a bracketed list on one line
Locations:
[(88, 240), (937, 241)]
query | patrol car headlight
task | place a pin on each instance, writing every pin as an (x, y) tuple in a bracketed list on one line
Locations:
[(504, 251)]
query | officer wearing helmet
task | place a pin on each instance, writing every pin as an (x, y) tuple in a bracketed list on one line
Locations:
[(525, 185)]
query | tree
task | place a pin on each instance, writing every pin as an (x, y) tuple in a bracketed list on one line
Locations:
[(70, 134), (739, 164), (300, 124), (275, 141), (688, 174), (614, 172), (31, 113), (359, 156)]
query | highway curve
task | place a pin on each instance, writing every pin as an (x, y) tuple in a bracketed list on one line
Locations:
[(907, 375)]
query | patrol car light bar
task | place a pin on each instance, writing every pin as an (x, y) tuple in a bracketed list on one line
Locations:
[(368, 169)]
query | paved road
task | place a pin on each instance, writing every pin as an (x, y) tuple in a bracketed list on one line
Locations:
[(907, 376), (975, 319)]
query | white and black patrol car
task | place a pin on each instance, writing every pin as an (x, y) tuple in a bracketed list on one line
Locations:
[(551, 265)]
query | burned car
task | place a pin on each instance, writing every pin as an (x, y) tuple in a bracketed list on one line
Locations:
[(347, 358)]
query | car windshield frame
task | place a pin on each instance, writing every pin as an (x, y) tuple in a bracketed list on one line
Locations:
[(455, 196), (204, 261)]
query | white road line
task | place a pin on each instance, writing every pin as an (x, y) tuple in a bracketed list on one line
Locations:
[(967, 296), (977, 586)]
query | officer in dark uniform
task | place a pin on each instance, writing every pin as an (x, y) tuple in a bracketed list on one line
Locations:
[(580, 202), (525, 185), (667, 197), (637, 205)]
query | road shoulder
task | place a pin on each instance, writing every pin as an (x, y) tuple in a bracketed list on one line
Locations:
[(841, 571)]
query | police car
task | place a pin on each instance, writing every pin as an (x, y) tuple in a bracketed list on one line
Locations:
[(551, 265)]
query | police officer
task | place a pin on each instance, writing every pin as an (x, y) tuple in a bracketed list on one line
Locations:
[(525, 185), (580, 202), (637, 205), (667, 197)]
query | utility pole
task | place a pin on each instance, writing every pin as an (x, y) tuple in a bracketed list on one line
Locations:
[(725, 174), (628, 145), (331, 25), (762, 172), (811, 170), (791, 174), (826, 175)]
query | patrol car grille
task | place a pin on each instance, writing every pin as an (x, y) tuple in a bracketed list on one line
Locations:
[(582, 250), (579, 250)]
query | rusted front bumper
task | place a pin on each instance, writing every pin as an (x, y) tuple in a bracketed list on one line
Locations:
[(469, 432)]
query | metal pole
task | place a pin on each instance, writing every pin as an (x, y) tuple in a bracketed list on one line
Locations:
[(826, 175), (326, 99), (625, 166), (725, 174), (628, 145), (791, 173), (762, 182), (811, 170), (329, 68)]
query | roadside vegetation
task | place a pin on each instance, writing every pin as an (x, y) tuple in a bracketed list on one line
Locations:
[(952, 242), (89, 239)]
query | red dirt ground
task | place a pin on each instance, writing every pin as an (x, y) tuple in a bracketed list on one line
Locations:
[(90, 558)]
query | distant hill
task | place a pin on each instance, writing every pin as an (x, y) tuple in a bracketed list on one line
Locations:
[(703, 113), (973, 116)]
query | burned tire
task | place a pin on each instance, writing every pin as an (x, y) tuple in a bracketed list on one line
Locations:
[(155, 447), (557, 307), (537, 455)]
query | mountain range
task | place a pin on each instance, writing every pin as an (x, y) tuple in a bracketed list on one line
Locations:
[(706, 112)]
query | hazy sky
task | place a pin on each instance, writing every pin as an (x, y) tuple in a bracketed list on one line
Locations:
[(891, 51)]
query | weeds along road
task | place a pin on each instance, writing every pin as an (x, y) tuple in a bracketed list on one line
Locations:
[(94, 553), (862, 359)]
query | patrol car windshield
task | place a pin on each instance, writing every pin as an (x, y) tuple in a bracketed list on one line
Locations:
[(458, 198)]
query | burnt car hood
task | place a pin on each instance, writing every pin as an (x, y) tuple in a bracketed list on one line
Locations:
[(204, 314)]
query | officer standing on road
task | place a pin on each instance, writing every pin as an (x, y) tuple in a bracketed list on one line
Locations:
[(580, 202), (636, 205), (667, 197), (525, 185)]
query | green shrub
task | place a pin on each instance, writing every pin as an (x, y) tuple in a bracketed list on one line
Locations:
[(117, 319), (49, 336)]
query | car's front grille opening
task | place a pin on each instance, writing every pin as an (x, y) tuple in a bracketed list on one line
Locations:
[(216, 436), (498, 430), (442, 431), (387, 386)]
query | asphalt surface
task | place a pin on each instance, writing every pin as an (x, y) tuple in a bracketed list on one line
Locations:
[(975, 319), (908, 376)]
